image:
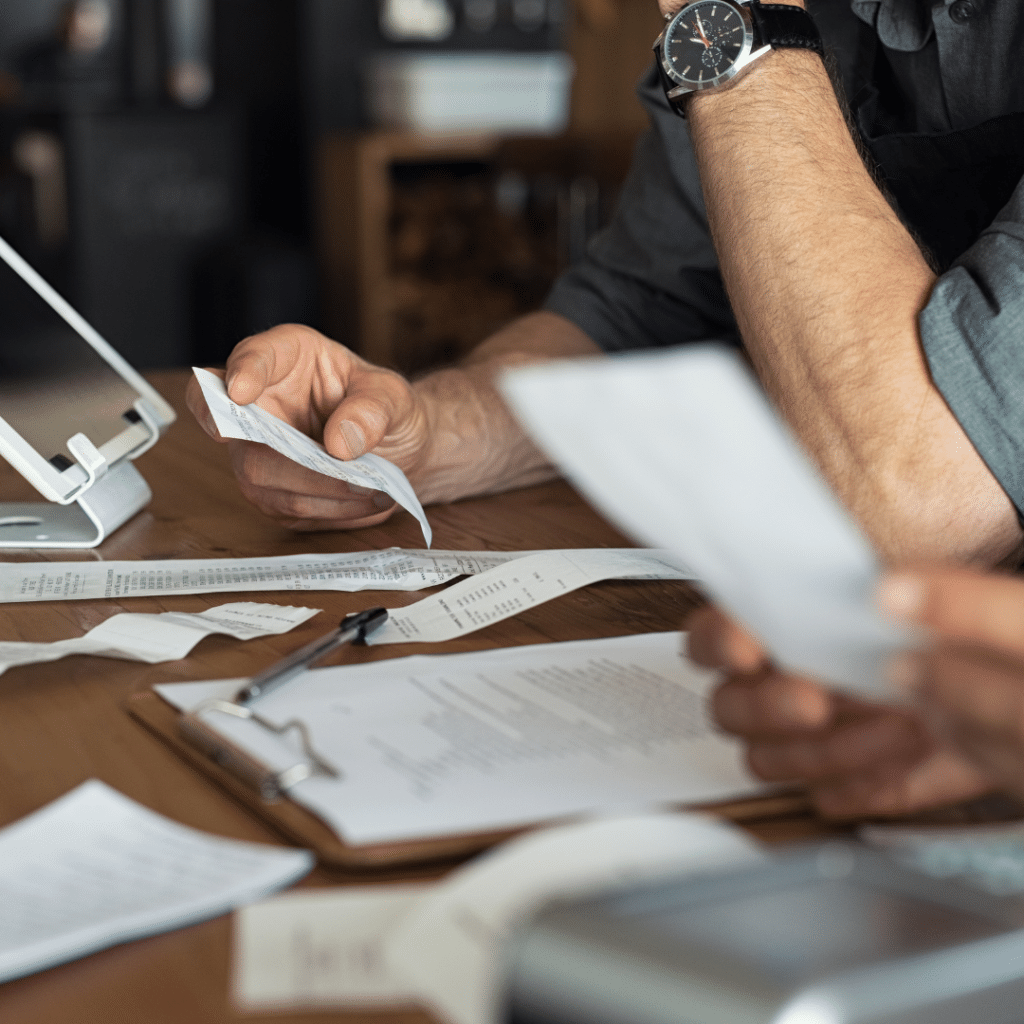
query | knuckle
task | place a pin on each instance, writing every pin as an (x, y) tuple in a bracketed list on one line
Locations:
[(257, 496), (765, 762), (702, 639), (297, 506), (730, 706), (792, 703), (790, 760), (251, 465)]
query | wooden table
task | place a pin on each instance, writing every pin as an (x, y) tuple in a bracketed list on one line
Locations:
[(63, 722)]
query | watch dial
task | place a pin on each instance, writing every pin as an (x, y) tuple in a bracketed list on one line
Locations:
[(704, 42)]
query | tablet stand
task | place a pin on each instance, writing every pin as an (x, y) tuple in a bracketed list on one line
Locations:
[(108, 498)]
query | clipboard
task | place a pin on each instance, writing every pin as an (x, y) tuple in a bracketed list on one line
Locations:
[(297, 825)]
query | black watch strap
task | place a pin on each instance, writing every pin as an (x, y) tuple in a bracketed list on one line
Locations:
[(784, 26)]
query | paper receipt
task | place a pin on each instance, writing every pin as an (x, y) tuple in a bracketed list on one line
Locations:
[(251, 423)]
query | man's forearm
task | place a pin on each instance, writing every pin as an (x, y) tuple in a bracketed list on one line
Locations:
[(826, 285), (476, 446)]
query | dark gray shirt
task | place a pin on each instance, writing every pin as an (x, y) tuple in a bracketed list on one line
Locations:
[(651, 278)]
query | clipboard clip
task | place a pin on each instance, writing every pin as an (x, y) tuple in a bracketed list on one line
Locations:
[(270, 784)]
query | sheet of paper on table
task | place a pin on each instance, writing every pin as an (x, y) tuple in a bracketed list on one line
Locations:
[(436, 745), (683, 451), (513, 587), (166, 636), (94, 869), (391, 569), (442, 945), (321, 948), (251, 423)]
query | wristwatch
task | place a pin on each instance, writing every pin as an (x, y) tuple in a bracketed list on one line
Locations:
[(710, 42)]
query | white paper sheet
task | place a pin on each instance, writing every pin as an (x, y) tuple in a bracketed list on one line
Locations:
[(435, 745), (683, 451), (94, 869), (443, 945), (322, 948), (163, 637), (404, 569), (511, 588), (251, 423)]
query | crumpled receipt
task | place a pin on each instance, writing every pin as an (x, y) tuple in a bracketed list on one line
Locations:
[(162, 637), (251, 423)]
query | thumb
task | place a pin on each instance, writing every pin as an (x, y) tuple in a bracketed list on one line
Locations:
[(958, 604), (377, 404), (249, 372)]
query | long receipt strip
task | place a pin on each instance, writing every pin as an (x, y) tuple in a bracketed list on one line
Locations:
[(683, 451), (441, 945), (166, 636), (513, 587), (391, 569), (436, 745), (251, 423), (94, 869)]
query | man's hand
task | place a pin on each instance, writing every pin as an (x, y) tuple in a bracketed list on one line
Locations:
[(450, 432), (855, 758), (329, 393), (970, 683)]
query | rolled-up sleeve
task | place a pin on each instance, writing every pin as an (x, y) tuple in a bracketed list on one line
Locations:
[(972, 330), (651, 277)]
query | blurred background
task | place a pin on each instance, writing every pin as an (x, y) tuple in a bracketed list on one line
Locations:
[(406, 175)]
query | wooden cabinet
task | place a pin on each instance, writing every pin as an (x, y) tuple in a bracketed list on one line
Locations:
[(364, 289), (429, 243)]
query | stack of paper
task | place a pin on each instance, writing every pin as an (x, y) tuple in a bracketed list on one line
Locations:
[(94, 869)]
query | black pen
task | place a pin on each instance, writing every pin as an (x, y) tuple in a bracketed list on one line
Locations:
[(353, 628)]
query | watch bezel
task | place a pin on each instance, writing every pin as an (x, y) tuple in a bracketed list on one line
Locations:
[(683, 86)]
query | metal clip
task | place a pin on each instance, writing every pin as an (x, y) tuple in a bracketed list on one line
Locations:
[(270, 784)]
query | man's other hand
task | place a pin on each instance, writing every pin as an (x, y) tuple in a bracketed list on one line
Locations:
[(855, 758), (329, 393), (969, 683)]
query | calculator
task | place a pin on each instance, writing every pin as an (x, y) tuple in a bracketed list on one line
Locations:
[(828, 934)]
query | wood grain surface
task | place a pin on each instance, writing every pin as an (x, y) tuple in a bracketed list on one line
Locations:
[(64, 722)]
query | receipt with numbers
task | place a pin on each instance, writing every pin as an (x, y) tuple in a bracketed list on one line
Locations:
[(251, 423)]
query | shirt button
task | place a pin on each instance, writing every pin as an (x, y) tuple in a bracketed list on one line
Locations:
[(962, 11)]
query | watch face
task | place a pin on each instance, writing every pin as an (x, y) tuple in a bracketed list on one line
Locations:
[(705, 42)]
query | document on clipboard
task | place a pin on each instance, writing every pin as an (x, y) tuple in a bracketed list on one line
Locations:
[(435, 755)]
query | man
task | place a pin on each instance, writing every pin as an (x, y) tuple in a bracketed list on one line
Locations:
[(901, 384), (961, 735)]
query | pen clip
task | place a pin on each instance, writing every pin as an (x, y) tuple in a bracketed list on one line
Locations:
[(352, 629)]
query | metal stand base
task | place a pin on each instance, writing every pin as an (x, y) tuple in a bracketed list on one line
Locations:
[(111, 501)]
